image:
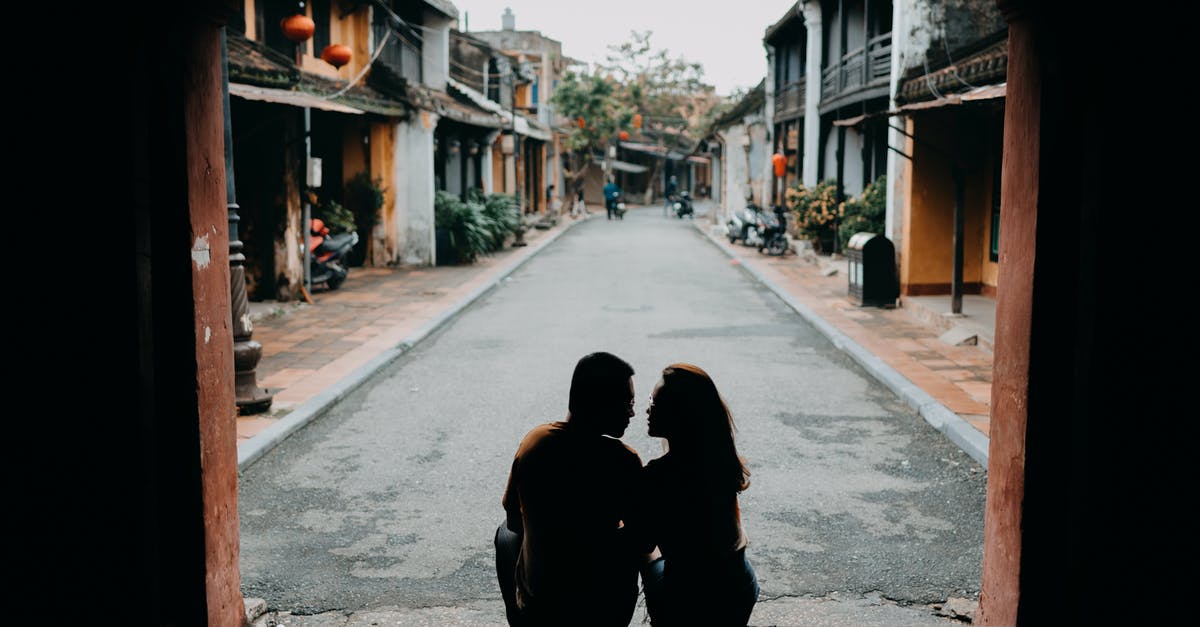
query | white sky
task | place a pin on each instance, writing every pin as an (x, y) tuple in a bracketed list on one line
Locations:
[(726, 38)]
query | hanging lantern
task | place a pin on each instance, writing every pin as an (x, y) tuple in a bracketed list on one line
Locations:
[(780, 163), (298, 28), (624, 135), (580, 122), (336, 55), (637, 120)]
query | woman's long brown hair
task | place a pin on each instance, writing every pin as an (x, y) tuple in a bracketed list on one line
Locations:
[(704, 427)]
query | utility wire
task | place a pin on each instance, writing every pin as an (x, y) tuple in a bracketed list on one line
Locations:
[(363, 72)]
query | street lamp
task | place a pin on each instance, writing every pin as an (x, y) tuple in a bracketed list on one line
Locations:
[(246, 352)]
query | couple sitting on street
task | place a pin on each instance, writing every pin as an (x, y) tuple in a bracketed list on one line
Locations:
[(584, 517)]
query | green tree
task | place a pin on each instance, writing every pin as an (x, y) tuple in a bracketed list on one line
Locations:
[(668, 93)]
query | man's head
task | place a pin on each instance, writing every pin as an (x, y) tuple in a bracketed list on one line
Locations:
[(602, 394)]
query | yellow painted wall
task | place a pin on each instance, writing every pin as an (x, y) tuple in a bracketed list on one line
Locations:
[(382, 150), (991, 269), (251, 33), (927, 254), (498, 182)]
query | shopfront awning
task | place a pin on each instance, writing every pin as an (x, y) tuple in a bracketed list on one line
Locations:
[(522, 125), (987, 92), (978, 94), (288, 97), (625, 166)]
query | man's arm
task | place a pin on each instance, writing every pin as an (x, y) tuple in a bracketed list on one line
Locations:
[(512, 502)]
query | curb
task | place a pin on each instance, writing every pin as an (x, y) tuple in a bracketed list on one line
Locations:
[(251, 450), (959, 431)]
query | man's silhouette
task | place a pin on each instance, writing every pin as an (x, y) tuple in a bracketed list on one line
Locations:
[(570, 549)]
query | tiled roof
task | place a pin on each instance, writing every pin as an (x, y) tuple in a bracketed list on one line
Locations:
[(986, 67), (252, 63)]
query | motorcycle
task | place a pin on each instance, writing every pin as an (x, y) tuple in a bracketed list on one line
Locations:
[(683, 205), (616, 205), (327, 254), (744, 226), (772, 230)]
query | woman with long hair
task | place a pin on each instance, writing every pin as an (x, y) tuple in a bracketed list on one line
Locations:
[(702, 576)]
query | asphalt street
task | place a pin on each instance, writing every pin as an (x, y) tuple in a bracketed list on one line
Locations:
[(858, 510)]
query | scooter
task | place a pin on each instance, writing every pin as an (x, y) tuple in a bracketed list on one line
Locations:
[(773, 231), (683, 205), (744, 226), (618, 206), (327, 254)]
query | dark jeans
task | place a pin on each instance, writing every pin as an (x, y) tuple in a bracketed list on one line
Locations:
[(721, 595), (508, 546), (611, 608)]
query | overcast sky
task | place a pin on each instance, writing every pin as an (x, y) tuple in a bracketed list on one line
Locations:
[(726, 38)]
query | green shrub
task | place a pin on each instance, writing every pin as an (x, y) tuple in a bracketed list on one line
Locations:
[(500, 211), (338, 218), (465, 225), (364, 196), (866, 213)]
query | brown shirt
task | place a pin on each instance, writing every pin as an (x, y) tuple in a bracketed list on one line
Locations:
[(572, 496)]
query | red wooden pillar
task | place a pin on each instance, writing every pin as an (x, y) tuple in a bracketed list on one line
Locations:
[(185, 477), (1014, 304)]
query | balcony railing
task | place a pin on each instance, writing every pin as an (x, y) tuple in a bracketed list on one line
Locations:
[(398, 54), (790, 98), (864, 67)]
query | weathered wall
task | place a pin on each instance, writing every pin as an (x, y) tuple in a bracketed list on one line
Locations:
[(413, 167)]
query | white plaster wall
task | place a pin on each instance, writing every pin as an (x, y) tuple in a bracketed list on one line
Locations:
[(435, 51), (415, 193), (852, 176), (913, 31)]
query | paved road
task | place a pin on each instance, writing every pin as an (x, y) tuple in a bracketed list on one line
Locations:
[(858, 512)]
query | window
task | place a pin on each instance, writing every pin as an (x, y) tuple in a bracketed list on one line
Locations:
[(320, 16)]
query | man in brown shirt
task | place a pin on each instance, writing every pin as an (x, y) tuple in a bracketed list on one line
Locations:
[(569, 551)]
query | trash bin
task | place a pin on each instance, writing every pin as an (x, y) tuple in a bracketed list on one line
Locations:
[(871, 268)]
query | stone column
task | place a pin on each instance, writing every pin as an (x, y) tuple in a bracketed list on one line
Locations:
[(812, 93)]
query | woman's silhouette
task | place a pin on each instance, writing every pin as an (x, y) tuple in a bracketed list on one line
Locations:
[(691, 498)]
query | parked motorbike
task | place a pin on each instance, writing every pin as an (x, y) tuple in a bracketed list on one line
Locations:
[(772, 229), (744, 226), (683, 205), (327, 254)]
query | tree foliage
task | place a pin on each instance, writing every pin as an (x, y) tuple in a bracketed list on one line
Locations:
[(668, 93)]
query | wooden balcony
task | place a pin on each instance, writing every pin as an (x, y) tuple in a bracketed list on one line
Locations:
[(400, 56), (859, 73), (789, 101)]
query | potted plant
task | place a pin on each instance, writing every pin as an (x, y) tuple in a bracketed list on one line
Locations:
[(364, 197)]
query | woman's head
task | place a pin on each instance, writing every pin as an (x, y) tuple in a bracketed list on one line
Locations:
[(687, 410)]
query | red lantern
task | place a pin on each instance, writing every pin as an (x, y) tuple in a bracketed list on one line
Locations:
[(637, 120), (624, 135), (780, 163), (336, 55), (580, 122), (298, 28)]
